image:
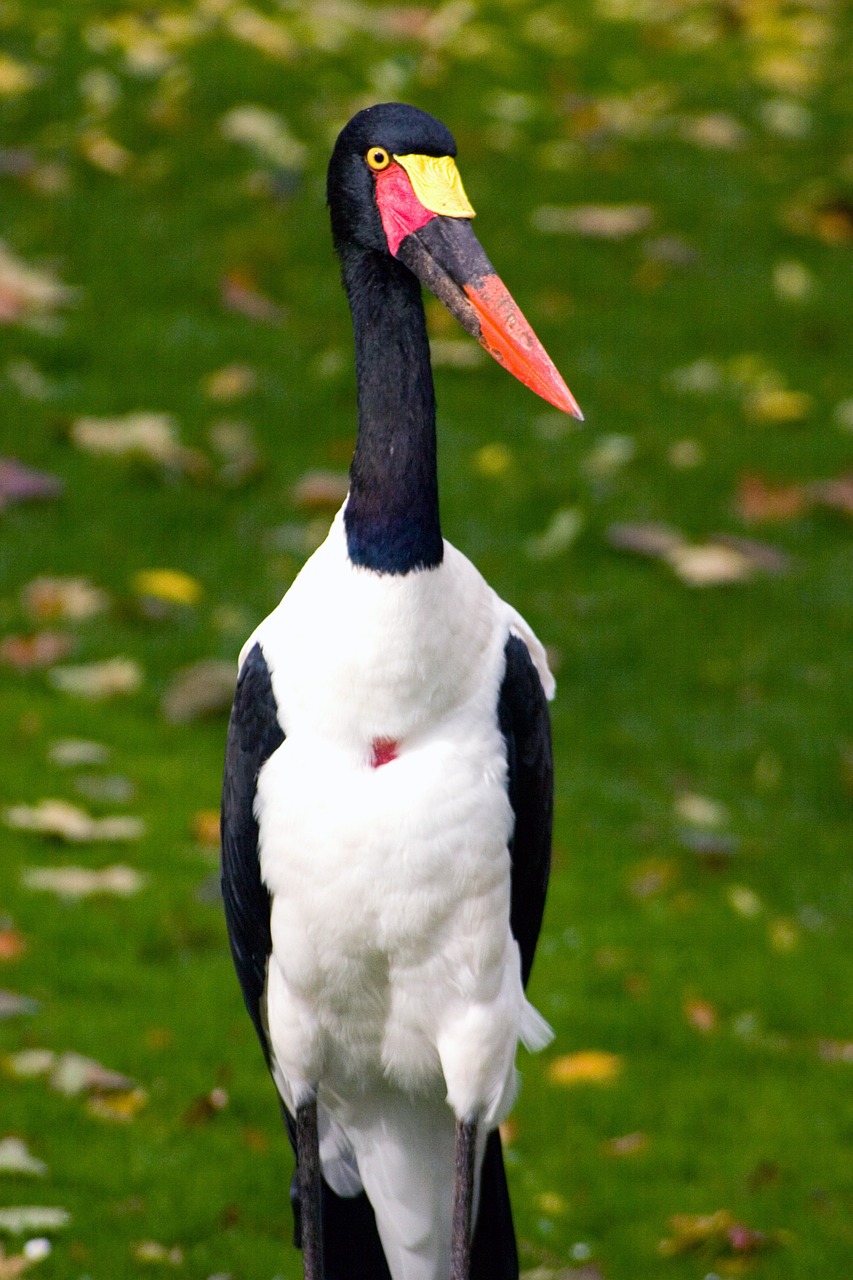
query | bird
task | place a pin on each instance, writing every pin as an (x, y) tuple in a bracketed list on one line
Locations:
[(388, 784)]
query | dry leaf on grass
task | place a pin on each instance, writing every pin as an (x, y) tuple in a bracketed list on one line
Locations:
[(28, 293), (68, 822), (20, 483), (24, 1218), (151, 1251), (589, 1066), (13, 1005), (320, 491), (40, 649), (598, 221), (146, 436), (16, 1158), (68, 753), (98, 680), (69, 599), (172, 586), (232, 382), (627, 1144), (240, 293), (82, 882), (564, 527)]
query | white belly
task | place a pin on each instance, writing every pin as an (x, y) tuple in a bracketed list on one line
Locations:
[(394, 974)]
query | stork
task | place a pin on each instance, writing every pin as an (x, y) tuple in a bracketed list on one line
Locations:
[(387, 798)]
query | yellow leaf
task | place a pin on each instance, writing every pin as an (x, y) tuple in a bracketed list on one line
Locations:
[(776, 405), (15, 77), (122, 1107), (493, 460), (171, 585), (589, 1066)]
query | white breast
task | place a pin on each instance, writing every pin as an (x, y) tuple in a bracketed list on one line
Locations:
[(393, 959)]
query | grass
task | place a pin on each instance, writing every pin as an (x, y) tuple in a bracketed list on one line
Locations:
[(740, 694)]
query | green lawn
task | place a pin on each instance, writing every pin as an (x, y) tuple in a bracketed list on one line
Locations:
[(697, 940)]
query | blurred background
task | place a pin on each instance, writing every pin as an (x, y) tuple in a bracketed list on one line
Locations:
[(667, 190)]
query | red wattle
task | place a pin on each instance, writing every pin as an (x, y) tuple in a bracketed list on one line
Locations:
[(399, 208)]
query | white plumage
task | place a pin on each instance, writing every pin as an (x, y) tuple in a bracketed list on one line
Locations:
[(416, 993)]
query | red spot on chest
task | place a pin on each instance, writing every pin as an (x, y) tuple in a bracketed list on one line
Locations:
[(383, 751)]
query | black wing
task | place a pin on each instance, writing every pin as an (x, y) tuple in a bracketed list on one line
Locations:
[(524, 723), (254, 733)]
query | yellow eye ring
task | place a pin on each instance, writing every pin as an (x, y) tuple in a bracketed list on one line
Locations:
[(378, 159)]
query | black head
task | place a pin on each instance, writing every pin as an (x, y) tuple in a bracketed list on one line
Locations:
[(400, 130)]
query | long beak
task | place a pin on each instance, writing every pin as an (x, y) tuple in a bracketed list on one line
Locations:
[(449, 259)]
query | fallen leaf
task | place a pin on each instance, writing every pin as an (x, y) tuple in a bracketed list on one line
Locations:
[(778, 406), (105, 153), (241, 294), (320, 491), (701, 1015), (82, 882), (835, 1050), (835, 494), (644, 539), (170, 585), (610, 454), (39, 649), (72, 1074), (67, 822), (29, 380), (16, 77), (709, 564), (98, 680), (151, 1251), (758, 501), (121, 1107), (599, 221), (589, 1066), (16, 1158), (24, 1218), (206, 688), (232, 382), (202, 1109), (266, 133), (744, 901), (13, 1005), (715, 1235), (29, 1063), (28, 293), (68, 599), (105, 788), (783, 934), (493, 460), (563, 529), (205, 827), (12, 944), (651, 877), (761, 555), (149, 437), (792, 281), (628, 1144), (70, 752), (700, 810), (715, 131), (20, 483)]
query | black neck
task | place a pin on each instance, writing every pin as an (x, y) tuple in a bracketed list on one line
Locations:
[(391, 517)]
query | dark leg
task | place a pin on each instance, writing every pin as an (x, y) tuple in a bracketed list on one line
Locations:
[(463, 1200), (308, 1164)]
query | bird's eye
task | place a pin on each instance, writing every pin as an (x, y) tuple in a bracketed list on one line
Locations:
[(378, 159)]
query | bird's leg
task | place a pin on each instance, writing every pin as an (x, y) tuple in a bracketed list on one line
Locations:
[(308, 1163), (463, 1200)]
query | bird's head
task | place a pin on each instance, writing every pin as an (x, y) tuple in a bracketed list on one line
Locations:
[(393, 187)]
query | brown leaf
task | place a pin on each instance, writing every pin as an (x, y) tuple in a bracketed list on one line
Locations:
[(240, 294), (629, 1144), (39, 649), (837, 494), (205, 827), (202, 1109), (12, 944), (758, 501), (68, 599), (701, 1015), (98, 680)]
